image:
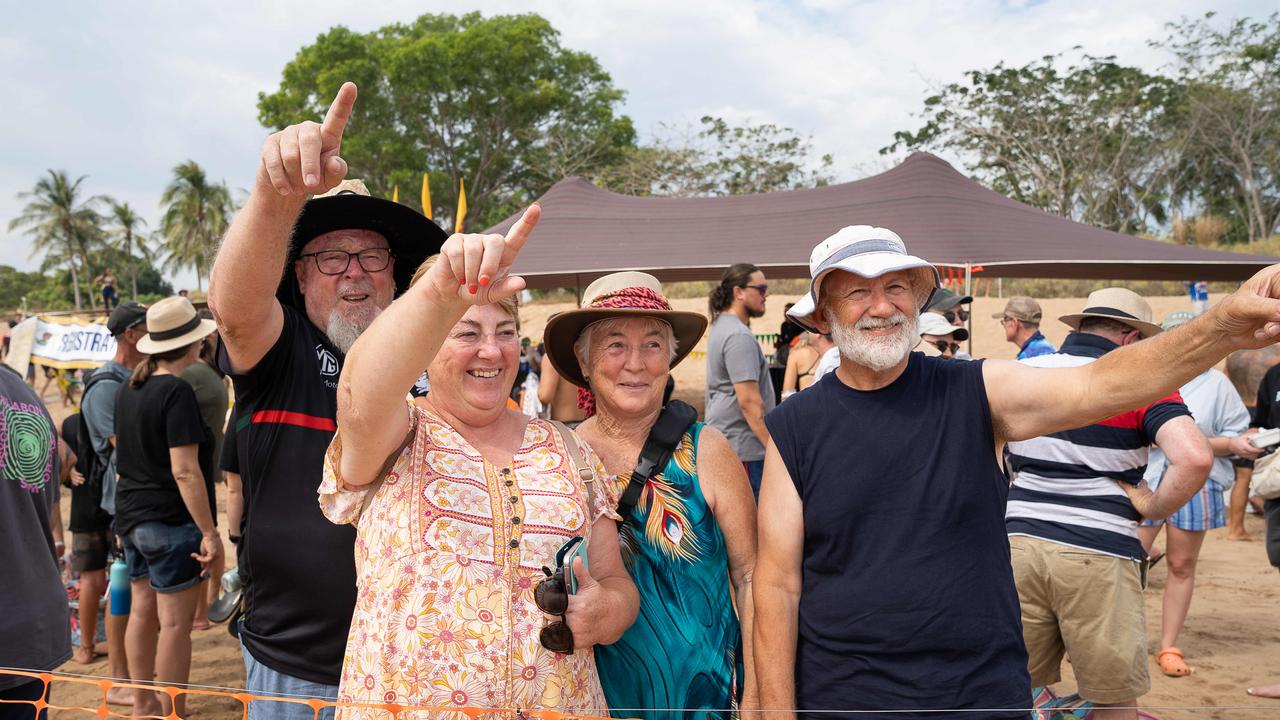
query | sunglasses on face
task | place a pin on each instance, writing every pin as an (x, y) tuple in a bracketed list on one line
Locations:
[(951, 315), (945, 346), (552, 597), (763, 289)]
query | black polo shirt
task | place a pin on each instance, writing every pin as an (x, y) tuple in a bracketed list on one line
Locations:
[(298, 568)]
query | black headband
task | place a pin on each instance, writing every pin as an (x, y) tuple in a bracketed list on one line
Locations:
[(1103, 310), (179, 331)]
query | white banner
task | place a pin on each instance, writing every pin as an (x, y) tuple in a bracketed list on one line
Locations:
[(70, 343)]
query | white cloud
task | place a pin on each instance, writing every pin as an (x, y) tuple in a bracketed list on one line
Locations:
[(122, 92)]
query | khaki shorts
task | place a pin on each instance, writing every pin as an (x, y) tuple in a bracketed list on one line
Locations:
[(1089, 606)]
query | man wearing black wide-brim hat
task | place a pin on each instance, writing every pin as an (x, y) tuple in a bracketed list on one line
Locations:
[(295, 283)]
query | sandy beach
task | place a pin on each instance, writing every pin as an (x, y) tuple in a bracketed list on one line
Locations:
[(1232, 636)]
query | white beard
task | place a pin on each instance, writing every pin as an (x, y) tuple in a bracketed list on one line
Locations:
[(343, 332), (878, 353)]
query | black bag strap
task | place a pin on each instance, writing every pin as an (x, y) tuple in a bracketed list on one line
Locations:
[(664, 438)]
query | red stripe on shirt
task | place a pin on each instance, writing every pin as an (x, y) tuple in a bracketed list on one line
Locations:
[(293, 418)]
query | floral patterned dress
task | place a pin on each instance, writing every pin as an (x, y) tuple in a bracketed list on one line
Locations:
[(448, 551)]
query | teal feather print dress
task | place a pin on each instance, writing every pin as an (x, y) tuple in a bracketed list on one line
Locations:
[(684, 650)]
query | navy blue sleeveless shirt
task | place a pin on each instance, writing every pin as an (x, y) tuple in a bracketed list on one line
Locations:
[(907, 600)]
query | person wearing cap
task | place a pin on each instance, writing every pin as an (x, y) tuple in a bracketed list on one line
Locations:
[(690, 537), (1222, 417), (1021, 322), (459, 501), (165, 508), (939, 337), (946, 304), (883, 579), (294, 284), (739, 387), (93, 501), (1078, 559)]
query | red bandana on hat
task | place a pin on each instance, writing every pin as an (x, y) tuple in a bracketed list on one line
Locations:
[(632, 298)]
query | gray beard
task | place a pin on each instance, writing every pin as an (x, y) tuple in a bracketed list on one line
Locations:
[(343, 333), (878, 354)]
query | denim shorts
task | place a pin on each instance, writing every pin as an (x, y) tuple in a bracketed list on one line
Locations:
[(162, 553)]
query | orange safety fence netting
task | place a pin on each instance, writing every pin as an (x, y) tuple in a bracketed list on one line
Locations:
[(375, 711)]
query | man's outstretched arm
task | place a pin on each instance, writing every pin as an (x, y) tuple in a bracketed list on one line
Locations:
[(776, 588), (295, 162), (1028, 402)]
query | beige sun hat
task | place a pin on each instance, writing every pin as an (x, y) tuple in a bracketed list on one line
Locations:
[(173, 323), (1119, 304), (620, 294)]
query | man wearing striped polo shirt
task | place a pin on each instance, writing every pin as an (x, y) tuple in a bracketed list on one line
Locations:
[(1073, 524)]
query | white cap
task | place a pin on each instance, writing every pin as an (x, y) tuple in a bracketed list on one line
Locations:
[(934, 324)]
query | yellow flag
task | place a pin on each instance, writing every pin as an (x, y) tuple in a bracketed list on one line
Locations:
[(426, 197), (462, 206), (395, 193)]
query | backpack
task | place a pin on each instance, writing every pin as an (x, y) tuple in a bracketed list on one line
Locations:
[(88, 463)]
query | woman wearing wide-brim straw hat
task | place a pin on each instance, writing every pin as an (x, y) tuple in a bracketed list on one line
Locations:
[(165, 511), (691, 535)]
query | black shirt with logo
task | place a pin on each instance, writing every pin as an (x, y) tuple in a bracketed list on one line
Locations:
[(298, 568), (151, 419)]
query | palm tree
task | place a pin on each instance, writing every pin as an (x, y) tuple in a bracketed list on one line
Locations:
[(196, 213), (127, 231), (62, 227)]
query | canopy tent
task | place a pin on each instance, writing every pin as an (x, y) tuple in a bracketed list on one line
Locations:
[(943, 216)]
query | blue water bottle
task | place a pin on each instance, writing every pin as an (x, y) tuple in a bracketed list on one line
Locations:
[(120, 593)]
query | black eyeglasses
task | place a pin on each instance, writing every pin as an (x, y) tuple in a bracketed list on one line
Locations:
[(336, 262), (951, 315), (552, 597), (943, 346), (763, 288)]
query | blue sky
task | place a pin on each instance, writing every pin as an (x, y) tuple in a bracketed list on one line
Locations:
[(123, 91)]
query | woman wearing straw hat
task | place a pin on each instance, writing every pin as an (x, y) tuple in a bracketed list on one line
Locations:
[(459, 502), (164, 502), (690, 534)]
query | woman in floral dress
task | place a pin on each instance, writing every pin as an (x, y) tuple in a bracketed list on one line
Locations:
[(459, 502)]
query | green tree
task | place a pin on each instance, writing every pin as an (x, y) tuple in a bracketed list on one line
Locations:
[(1228, 133), (1084, 142), (196, 214), (497, 102), (63, 226), (718, 159), (127, 233)]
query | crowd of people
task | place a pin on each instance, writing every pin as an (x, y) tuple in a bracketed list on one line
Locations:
[(909, 530)]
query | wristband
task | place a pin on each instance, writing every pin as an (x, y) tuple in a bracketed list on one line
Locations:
[(235, 539)]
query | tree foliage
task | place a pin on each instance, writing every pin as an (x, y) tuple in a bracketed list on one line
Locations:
[(64, 225), (128, 239), (196, 214), (498, 102), (719, 159)]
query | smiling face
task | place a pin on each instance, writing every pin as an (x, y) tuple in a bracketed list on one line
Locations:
[(627, 362), (347, 303), (872, 320), (472, 375)]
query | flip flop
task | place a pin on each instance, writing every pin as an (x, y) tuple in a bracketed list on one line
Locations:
[(1172, 662)]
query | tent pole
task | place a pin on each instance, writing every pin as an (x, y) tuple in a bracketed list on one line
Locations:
[(968, 290), (577, 286)]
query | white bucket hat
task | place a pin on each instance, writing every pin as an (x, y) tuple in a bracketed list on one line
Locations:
[(173, 323), (867, 251)]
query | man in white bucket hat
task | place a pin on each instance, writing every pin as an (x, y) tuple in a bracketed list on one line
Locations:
[(883, 580)]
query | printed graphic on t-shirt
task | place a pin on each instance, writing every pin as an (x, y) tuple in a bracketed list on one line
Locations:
[(26, 445), (328, 363)]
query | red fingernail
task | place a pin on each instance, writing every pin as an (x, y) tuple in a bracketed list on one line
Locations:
[(462, 281), (484, 280), (473, 289)]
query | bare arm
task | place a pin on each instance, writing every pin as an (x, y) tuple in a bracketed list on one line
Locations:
[(1190, 460), (776, 588), (752, 405), (185, 463), (548, 381), (1028, 402), (388, 358), (607, 602), (235, 502), (790, 379), (724, 484), (242, 286)]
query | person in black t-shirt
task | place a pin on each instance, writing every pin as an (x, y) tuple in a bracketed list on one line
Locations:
[(164, 502), (288, 308)]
